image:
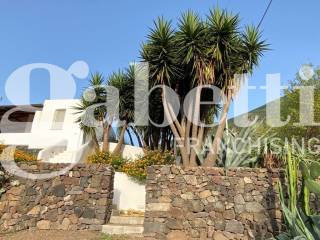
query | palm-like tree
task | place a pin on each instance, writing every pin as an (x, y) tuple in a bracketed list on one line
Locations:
[(87, 119), (200, 53), (124, 82), (96, 116)]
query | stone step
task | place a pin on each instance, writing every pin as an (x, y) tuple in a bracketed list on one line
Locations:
[(126, 220), (112, 229)]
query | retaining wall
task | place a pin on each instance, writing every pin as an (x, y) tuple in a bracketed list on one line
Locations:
[(210, 203), (80, 199)]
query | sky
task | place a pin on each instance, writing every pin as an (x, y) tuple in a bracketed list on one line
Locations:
[(108, 34)]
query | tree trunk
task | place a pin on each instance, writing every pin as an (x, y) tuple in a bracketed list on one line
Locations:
[(105, 146), (194, 133), (214, 151), (117, 149), (95, 142), (163, 139), (176, 130)]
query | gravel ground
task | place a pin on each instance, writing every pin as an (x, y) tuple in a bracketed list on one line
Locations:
[(62, 235)]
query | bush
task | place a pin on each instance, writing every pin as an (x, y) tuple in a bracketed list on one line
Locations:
[(20, 156), (115, 161), (138, 168)]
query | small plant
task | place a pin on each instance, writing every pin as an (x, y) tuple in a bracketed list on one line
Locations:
[(116, 161), (138, 168)]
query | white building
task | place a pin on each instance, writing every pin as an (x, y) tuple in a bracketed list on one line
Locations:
[(54, 131)]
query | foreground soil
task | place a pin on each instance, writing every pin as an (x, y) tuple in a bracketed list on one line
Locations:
[(63, 235)]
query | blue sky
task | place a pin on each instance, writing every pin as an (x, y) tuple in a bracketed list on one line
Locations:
[(108, 34)]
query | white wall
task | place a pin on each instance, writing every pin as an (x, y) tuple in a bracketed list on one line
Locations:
[(128, 194), (128, 151), (42, 135)]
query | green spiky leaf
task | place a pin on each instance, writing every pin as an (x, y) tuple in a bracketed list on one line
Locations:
[(315, 170), (304, 170), (313, 186)]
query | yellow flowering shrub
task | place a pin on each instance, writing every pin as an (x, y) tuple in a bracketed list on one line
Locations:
[(21, 156), (138, 168), (115, 161)]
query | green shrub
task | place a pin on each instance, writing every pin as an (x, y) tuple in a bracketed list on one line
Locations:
[(115, 161), (138, 168)]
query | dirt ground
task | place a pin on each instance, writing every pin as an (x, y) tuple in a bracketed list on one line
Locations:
[(62, 235)]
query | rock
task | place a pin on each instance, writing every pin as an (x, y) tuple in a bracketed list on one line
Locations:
[(31, 191), (16, 191), (15, 183), (161, 207), (218, 206), (211, 199), (52, 215), (197, 206), (102, 202), (259, 217), (247, 180), (229, 206), (43, 225), (34, 211), (151, 227), (239, 208), (238, 199), (67, 198), (165, 170), (88, 213), (75, 191), (234, 226), (65, 224), (78, 211), (59, 190), (178, 202), (191, 179), (205, 194), (254, 207), (199, 223), (174, 224), (229, 214), (187, 196), (164, 199), (95, 181), (176, 235), (176, 213)]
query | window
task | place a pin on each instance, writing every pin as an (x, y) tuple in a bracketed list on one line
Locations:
[(58, 119)]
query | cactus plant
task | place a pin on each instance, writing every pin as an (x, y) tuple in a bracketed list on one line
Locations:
[(301, 222)]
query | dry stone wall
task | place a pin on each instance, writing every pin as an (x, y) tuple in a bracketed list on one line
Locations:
[(80, 199), (211, 203)]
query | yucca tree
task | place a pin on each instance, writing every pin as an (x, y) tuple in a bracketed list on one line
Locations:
[(86, 121), (200, 52), (124, 82), (93, 107)]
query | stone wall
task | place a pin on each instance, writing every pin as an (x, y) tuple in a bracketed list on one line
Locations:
[(81, 199), (210, 203)]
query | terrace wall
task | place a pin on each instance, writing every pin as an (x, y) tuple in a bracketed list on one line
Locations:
[(80, 199), (211, 203)]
